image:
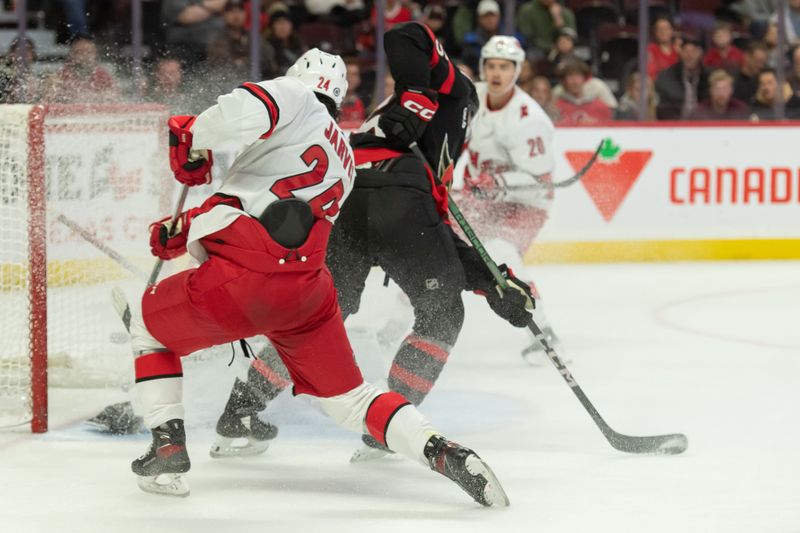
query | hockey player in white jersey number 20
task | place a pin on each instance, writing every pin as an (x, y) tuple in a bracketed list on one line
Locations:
[(261, 240), (507, 190)]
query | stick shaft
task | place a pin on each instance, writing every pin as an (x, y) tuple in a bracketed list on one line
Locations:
[(94, 241), (178, 210)]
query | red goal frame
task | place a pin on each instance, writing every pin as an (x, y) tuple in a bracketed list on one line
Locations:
[(37, 258), (37, 242)]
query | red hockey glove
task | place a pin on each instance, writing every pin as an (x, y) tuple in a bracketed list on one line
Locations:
[(405, 119), (191, 167), (514, 303), (166, 242)]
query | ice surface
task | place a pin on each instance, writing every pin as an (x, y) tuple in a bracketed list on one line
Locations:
[(707, 349)]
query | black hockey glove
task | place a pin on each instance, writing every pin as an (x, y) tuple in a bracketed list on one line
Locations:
[(513, 303), (405, 119)]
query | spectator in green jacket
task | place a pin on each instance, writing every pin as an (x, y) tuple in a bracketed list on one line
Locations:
[(540, 21)]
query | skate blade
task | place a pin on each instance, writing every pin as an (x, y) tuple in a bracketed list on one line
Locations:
[(239, 447), (366, 454), (493, 493), (164, 484)]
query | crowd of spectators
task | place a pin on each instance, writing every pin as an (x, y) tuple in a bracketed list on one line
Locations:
[(707, 60)]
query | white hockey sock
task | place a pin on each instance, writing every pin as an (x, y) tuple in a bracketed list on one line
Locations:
[(408, 432), (160, 400)]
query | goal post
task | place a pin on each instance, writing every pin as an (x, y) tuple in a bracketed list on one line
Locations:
[(105, 168), (37, 254)]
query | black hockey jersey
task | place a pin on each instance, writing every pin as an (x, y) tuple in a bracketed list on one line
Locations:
[(416, 59)]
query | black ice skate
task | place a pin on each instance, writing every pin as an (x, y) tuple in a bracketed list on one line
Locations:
[(370, 451), (469, 472), (239, 430), (160, 470)]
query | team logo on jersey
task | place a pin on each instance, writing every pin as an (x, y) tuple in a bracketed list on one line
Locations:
[(612, 176)]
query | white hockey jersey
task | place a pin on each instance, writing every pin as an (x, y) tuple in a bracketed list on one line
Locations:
[(293, 148), (509, 149)]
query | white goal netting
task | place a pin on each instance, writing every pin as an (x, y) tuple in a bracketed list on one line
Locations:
[(104, 169)]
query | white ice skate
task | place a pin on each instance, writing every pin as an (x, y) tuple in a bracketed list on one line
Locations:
[(164, 484), (237, 447)]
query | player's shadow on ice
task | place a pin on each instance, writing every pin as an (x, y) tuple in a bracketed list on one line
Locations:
[(399, 482)]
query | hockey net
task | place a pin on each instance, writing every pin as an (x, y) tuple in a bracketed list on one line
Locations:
[(104, 169)]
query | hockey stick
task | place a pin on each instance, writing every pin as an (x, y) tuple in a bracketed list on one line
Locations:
[(541, 184), (661, 444), (178, 209), (94, 241), (582, 171)]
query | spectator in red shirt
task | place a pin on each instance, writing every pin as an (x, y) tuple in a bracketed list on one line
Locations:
[(663, 51), (352, 111), (720, 104), (574, 106), (395, 13), (81, 79), (723, 54)]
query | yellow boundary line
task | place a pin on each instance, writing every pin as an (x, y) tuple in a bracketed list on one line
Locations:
[(66, 273), (91, 271), (672, 250)]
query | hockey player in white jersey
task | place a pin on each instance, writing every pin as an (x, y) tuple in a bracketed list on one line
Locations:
[(261, 240), (507, 191)]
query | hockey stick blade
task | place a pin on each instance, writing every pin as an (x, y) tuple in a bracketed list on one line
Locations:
[(671, 444), (657, 444)]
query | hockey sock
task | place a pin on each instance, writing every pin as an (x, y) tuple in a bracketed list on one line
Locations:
[(268, 375), (417, 366), (392, 421), (159, 387)]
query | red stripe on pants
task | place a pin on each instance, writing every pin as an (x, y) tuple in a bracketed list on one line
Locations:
[(157, 365), (380, 413)]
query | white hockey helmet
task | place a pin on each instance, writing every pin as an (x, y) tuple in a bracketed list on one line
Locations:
[(503, 47), (323, 73)]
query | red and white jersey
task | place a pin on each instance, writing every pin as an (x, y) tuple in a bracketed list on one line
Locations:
[(508, 147), (292, 148)]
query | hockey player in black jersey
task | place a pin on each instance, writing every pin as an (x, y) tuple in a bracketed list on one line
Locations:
[(396, 218)]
